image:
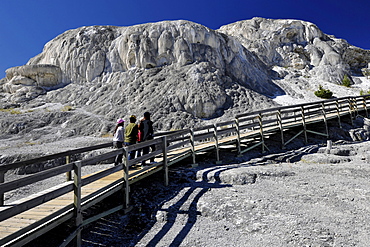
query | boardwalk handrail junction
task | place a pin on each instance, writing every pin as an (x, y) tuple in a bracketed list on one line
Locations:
[(246, 131)]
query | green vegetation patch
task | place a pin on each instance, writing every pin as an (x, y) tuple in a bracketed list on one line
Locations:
[(346, 81), (324, 93), (362, 92)]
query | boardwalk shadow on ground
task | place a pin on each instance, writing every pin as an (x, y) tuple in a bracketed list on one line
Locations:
[(180, 198), (199, 188), (196, 190)]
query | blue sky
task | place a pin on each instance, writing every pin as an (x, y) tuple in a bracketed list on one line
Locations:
[(26, 25)]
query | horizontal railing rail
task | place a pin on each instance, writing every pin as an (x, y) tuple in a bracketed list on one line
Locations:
[(20, 164)]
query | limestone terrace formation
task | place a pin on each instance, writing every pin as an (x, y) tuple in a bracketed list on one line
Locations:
[(182, 72), (31, 80)]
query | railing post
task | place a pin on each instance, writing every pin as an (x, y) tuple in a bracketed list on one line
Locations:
[(350, 109), (238, 143), (69, 173), (304, 125), (215, 137), (77, 201), (338, 113), (261, 132), (280, 121), (365, 106), (126, 185), (325, 120), (192, 143), (2, 180), (355, 105), (165, 163), (328, 146)]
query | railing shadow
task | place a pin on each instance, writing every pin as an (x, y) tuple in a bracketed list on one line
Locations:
[(200, 188), (171, 213)]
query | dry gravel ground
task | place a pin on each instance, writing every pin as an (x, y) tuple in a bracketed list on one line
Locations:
[(302, 197)]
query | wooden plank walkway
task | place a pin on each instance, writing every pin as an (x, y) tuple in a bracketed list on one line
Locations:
[(55, 211), (23, 222)]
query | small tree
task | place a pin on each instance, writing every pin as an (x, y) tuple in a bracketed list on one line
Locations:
[(323, 93), (346, 81)]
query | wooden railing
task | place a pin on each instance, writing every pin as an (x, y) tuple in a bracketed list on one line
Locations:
[(246, 131)]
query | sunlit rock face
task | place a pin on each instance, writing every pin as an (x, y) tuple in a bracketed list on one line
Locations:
[(182, 72), (89, 52), (299, 45), (202, 63), (29, 81)]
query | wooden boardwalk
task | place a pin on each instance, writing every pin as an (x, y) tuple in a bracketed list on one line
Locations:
[(26, 219), (50, 211)]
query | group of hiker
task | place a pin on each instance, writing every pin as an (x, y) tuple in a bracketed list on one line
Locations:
[(132, 134)]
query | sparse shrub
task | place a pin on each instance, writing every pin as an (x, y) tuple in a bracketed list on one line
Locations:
[(15, 111), (362, 92), (323, 93), (346, 81), (106, 135), (31, 143), (11, 111)]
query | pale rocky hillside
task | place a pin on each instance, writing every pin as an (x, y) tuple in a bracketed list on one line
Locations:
[(184, 73), (299, 45)]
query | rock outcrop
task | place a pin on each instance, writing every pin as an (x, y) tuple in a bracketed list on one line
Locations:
[(90, 52), (29, 81), (299, 45), (196, 65)]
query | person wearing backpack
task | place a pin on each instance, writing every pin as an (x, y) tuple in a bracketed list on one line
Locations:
[(147, 133), (131, 132)]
